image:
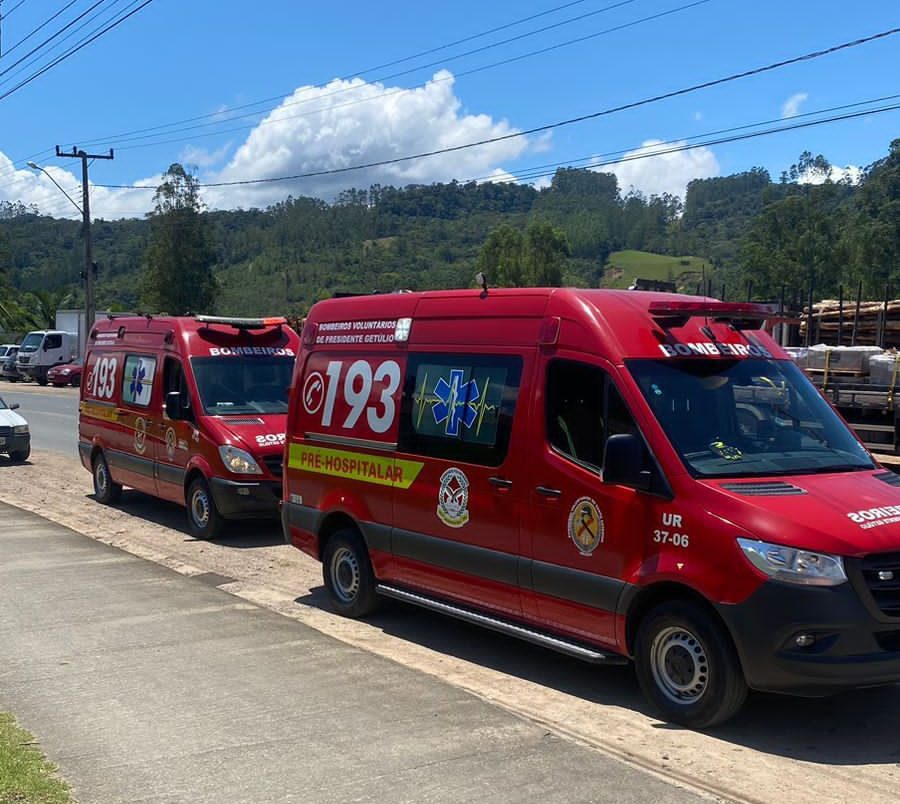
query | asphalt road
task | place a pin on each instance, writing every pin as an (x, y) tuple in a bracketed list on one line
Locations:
[(51, 413)]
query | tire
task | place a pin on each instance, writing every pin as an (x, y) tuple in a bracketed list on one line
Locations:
[(20, 455), (106, 491), (687, 666), (204, 520), (75, 382), (42, 381), (347, 572)]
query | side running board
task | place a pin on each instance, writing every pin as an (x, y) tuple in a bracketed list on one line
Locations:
[(559, 644)]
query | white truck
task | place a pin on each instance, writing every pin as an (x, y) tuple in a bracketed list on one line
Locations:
[(42, 349)]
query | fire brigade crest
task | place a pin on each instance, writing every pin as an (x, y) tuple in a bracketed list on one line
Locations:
[(453, 498), (586, 525)]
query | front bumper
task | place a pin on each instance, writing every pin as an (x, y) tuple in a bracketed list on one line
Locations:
[(237, 500), (15, 443), (851, 648)]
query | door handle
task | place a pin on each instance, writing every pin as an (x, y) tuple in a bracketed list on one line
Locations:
[(500, 482), (544, 491)]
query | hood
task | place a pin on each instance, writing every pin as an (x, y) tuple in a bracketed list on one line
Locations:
[(9, 418), (847, 513), (258, 435)]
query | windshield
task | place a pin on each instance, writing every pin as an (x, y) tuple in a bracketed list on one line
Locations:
[(746, 418), (32, 342), (2, 405), (246, 384)]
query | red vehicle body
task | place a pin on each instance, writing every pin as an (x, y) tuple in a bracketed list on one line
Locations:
[(613, 474), (65, 374), (189, 409)]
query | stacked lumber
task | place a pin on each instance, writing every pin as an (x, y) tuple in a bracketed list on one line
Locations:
[(826, 317)]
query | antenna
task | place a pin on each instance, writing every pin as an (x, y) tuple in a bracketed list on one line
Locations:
[(481, 281)]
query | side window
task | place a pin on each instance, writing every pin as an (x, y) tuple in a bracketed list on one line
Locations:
[(584, 408), (459, 407), (52, 342), (174, 380), (137, 380)]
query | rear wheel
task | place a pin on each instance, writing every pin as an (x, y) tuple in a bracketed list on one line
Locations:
[(105, 490), (688, 667), (204, 519), (348, 576)]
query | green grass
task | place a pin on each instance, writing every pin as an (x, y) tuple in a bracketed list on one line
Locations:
[(623, 267), (25, 776)]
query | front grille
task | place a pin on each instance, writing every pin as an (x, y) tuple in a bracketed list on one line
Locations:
[(22, 360), (885, 590), (5, 431), (774, 489), (273, 464)]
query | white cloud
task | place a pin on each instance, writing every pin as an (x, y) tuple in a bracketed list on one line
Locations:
[(33, 187), (342, 124), (501, 176), (201, 157), (665, 172), (792, 105), (851, 173), (347, 123)]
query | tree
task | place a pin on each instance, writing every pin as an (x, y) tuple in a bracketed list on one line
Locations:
[(178, 263), (501, 258), (546, 250)]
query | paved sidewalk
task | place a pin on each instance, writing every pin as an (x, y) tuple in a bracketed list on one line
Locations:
[(147, 686)]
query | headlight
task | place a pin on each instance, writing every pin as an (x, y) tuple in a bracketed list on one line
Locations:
[(20, 429), (794, 566), (66, 371), (238, 461)]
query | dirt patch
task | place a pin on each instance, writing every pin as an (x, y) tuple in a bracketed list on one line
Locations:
[(777, 749)]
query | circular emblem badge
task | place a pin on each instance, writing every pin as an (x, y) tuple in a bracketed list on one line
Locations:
[(586, 525), (140, 435), (170, 443), (313, 393), (453, 498)]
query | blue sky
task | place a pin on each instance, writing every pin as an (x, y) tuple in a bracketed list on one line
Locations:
[(177, 60)]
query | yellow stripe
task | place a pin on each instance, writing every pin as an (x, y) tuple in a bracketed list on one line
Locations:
[(378, 469), (96, 411)]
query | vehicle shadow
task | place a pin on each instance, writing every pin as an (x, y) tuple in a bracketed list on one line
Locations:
[(853, 728), (6, 462), (240, 534)]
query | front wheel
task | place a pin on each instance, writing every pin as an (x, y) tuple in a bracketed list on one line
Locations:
[(348, 575), (204, 519), (688, 667), (20, 455), (105, 490)]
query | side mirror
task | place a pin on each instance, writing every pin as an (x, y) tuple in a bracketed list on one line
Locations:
[(624, 462), (174, 408), (46, 346), (14, 406)]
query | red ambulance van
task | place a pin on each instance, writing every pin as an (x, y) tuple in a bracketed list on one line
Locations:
[(189, 409), (612, 474)]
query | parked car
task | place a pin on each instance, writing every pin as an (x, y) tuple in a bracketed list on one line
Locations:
[(7, 349), (15, 440), (65, 374), (9, 370)]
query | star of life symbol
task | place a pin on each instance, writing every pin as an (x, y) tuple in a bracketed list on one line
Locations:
[(456, 403)]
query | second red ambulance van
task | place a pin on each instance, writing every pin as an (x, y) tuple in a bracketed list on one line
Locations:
[(190, 409), (617, 475)]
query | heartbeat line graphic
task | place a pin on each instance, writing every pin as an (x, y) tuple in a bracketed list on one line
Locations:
[(453, 403)]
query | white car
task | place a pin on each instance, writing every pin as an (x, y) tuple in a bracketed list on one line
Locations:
[(15, 440)]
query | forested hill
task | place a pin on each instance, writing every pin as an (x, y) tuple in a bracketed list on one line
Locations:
[(281, 259)]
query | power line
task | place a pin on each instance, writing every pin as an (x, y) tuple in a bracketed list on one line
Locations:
[(51, 38), (559, 124), (74, 50), (13, 9), (38, 28), (380, 95)]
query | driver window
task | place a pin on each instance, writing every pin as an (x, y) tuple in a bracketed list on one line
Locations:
[(575, 421), (174, 380)]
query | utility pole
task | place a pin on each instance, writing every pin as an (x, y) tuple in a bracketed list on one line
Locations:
[(89, 265)]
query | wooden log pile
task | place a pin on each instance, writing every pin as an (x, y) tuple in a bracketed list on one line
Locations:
[(826, 318)]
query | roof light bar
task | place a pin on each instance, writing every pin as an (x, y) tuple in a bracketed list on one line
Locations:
[(241, 323), (710, 309)]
